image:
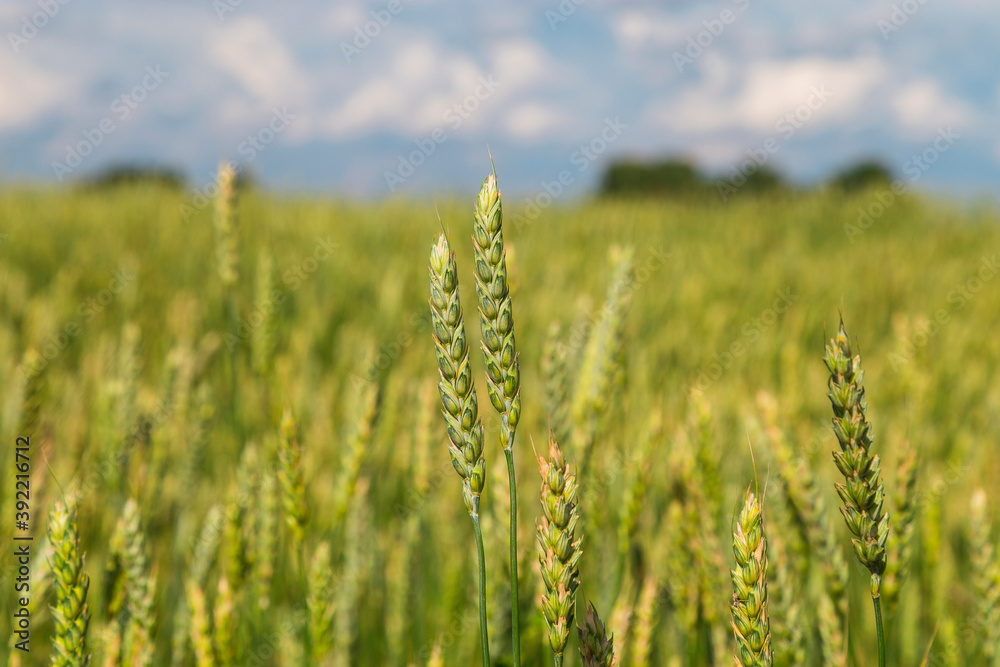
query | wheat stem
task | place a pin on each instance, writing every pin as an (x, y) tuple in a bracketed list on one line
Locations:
[(484, 636), (878, 630)]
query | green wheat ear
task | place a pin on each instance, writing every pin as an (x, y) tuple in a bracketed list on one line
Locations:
[(70, 612), (458, 393), (596, 647), (496, 317), (749, 606), (862, 491)]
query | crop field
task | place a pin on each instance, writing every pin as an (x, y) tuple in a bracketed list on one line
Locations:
[(251, 429)]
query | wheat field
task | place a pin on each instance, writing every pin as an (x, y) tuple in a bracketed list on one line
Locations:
[(238, 454)]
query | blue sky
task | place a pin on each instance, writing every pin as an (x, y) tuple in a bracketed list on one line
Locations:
[(301, 96)]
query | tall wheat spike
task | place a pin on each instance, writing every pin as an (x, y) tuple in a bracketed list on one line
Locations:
[(139, 586), (986, 580), (601, 361), (226, 227), (749, 605), (359, 446), (503, 374), (898, 546), (70, 612), (559, 547), (290, 476), (862, 491), (319, 602)]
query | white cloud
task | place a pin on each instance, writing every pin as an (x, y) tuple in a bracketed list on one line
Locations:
[(533, 120), (259, 61), (769, 89), (28, 91), (922, 106)]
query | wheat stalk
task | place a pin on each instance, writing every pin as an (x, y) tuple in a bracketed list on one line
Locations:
[(749, 605), (458, 397), (70, 612), (503, 374), (558, 546), (862, 491)]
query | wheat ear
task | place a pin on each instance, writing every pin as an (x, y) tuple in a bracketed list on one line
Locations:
[(458, 398), (596, 647), (898, 549), (503, 375), (139, 587), (290, 478), (319, 602), (749, 605), (986, 579), (559, 547), (862, 491), (70, 612)]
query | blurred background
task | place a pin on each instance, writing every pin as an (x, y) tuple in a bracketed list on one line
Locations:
[(365, 84)]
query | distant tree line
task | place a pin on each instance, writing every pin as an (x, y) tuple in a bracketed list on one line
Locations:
[(680, 179)]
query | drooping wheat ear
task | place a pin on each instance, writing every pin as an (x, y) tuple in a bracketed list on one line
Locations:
[(555, 370), (862, 492), (262, 341), (33, 378), (226, 231), (360, 445), (749, 605), (458, 393), (293, 490), (898, 546), (986, 577), (808, 507), (559, 547), (265, 544), (139, 586), (319, 602), (70, 612), (201, 625), (224, 625), (596, 647), (602, 361)]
